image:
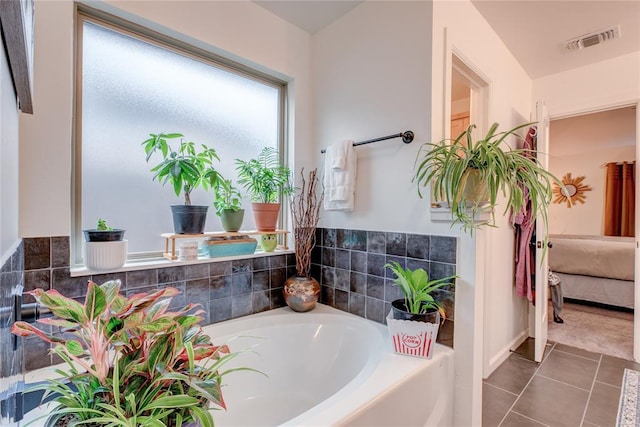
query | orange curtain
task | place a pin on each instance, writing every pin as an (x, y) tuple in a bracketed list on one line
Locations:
[(620, 199)]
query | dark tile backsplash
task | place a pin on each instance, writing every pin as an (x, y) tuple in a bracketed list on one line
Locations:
[(11, 353), (224, 289), (349, 264)]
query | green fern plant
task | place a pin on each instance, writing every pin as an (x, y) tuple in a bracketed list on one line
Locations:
[(264, 177), (450, 165)]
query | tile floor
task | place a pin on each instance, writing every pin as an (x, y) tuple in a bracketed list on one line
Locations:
[(570, 387)]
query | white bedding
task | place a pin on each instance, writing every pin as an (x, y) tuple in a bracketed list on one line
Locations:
[(595, 268), (593, 256)]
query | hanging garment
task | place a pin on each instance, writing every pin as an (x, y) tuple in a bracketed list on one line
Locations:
[(524, 226)]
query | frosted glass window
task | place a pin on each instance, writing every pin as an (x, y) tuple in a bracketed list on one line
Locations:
[(131, 88)]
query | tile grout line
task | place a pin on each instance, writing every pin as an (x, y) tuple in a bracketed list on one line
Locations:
[(582, 357), (527, 385), (500, 388), (563, 383), (529, 418), (586, 407)]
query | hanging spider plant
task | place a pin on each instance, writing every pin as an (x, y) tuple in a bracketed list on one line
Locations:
[(469, 175)]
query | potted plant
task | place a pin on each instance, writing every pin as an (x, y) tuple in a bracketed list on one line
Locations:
[(418, 303), (103, 233), (228, 204), (266, 180), (468, 175), (185, 168), (301, 291), (130, 361), (105, 247)]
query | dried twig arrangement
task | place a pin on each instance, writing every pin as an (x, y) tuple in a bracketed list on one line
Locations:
[(305, 208)]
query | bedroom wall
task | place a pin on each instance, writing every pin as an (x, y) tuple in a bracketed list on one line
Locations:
[(581, 145)]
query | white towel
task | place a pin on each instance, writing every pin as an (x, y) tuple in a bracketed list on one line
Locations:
[(340, 182)]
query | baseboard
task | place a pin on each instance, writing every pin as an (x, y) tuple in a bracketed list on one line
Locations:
[(504, 353)]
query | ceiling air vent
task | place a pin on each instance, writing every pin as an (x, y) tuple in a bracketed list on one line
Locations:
[(592, 39)]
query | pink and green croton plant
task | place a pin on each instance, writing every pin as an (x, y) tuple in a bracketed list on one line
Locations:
[(130, 361)]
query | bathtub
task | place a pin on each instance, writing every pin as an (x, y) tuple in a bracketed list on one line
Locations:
[(328, 368)]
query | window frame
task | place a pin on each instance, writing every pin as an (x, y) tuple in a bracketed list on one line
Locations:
[(84, 13)]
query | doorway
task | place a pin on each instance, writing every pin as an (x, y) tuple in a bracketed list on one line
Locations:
[(596, 272)]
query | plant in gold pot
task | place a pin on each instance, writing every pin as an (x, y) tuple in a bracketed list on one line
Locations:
[(469, 175), (267, 181), (130, 361), (301, 292)]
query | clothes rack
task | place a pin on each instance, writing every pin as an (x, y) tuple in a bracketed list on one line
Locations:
[(407, 137)]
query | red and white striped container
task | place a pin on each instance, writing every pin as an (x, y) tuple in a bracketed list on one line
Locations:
[(412, 338)]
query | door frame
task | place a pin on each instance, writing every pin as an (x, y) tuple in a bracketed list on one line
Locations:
[(609, 107)]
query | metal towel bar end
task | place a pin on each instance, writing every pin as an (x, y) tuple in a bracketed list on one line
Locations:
[(407, 138)]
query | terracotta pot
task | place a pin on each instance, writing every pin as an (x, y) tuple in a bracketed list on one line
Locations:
[(266, 215), (301, 293)]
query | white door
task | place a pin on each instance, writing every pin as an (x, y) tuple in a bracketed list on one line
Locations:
[(542, 264), (636, 315)]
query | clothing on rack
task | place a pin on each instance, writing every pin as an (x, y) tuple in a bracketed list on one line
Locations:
[(524, 227)]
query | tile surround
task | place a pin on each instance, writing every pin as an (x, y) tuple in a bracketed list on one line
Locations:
[(349, 264), (224, 289), (11, 361)]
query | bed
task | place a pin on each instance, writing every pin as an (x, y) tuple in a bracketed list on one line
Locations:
[(597, 269)]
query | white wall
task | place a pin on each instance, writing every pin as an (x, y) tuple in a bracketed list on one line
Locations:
[(495, 317), (242, 31), (592, 88), (581, 145), (9, 238), (377, 71), (372, 77)]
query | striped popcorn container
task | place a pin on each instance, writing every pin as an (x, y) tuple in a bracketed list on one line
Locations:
[(412, 338)]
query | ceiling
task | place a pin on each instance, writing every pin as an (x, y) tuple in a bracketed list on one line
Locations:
[(309, 15), (532, 30)]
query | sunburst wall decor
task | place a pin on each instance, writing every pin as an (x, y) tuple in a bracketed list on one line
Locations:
[(572, 192)]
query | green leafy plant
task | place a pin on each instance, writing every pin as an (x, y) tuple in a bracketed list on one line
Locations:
[(185, 168), (264, 177), (227, 197), (450, 166), (131, 361), (102, 225), (417, 288)]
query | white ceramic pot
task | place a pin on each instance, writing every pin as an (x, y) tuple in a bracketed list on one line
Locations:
[(105, 255)]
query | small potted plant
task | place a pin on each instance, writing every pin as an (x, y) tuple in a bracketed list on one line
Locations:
[(103, 233), (418, 303), (266, 180), (415, 319), (105, 247), (130, 361), (469, 175), (301, 291), (185, 168), (228, 204)]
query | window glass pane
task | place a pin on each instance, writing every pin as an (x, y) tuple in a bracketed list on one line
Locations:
[(131, 88)]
